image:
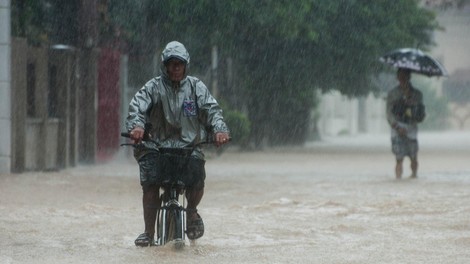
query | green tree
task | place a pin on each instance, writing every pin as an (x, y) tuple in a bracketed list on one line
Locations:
[(44, 22), (285, 50), (282, 51)]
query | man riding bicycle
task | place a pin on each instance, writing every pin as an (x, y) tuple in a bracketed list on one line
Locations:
[(180, 110)]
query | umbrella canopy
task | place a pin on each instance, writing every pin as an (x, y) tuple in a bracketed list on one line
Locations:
[(414, 60)]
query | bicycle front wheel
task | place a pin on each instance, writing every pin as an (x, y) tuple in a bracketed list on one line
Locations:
[(174, 227)]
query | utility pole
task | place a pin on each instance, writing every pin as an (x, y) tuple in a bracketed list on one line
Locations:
[(214, 71)]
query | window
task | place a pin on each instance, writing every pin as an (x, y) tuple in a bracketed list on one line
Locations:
[(31, 90)]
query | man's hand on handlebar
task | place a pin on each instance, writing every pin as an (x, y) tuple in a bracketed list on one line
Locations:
[(137, 134), (221, 138)]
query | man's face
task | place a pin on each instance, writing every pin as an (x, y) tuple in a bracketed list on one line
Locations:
[(175, 69)]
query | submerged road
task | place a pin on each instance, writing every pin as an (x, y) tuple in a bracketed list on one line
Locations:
[(334, 201)]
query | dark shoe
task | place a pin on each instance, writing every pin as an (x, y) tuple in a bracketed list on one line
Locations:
[(195, 227), (144, 240)]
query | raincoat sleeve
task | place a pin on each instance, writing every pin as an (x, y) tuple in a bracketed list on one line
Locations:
[(211, 112), (140, 105)]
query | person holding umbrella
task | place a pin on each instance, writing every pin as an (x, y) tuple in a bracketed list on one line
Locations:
[(405, 109)]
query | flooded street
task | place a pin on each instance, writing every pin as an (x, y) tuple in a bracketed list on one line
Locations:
[(334, 201)]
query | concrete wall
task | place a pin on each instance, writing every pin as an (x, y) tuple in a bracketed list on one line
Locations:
[(18, 106), (453, 50), (35, 150), (44, 129), (341, 115), (5, 87), (453, 43)]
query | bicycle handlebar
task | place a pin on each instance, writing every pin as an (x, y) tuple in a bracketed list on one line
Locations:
[(148, 139)]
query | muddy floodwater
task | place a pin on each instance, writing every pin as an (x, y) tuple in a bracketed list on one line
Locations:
[(334, 201)]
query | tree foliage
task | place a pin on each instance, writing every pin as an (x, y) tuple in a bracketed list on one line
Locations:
[(44, 22), (283, 51)]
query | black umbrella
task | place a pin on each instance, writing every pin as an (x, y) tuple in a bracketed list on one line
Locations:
[(414, 60)]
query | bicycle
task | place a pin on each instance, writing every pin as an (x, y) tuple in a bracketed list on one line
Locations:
[(171, 216)]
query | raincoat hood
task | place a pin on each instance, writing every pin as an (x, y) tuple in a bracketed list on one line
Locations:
[(175, 49)]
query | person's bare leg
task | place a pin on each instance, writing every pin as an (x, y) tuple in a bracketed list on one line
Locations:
[(194, 223), (151, 203), (194, 194), (414, 167), (399, 168), (194, 197)]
